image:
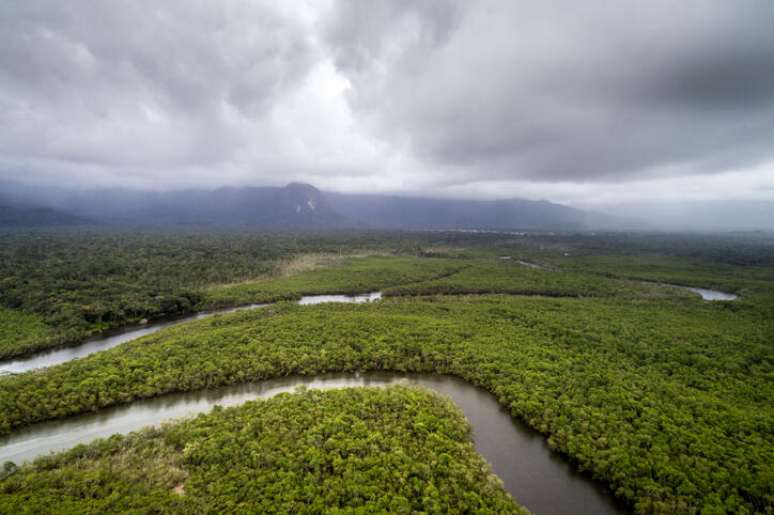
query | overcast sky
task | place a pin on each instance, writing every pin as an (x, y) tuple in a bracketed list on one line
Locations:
[(589, 103)]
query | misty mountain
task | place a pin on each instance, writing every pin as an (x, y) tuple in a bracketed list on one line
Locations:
[(302, 206), (294, 206), (393, 212), (11, 216)]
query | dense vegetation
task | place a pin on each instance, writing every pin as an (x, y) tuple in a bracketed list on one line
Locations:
[(484, 276), (75, 284), (397, 450), (736, 262), (349, 276), (78, 284), (637, 391), (20, 330), (667, 398)]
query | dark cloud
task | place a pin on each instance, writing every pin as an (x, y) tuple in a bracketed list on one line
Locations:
[(142, 83), (566, 90), (459, 97)]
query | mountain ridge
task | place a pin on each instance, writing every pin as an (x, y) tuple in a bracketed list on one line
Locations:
[(13, 216), (303, 206), (399, 212)]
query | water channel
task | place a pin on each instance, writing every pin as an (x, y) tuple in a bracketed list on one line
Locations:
[(712, 294), (537, 477), (111, 339)]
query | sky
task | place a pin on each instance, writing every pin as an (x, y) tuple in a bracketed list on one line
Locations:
[(593, 103)]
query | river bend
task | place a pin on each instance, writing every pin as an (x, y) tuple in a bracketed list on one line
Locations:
[(535, 476)]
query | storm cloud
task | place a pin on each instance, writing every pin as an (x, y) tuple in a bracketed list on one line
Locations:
[(566, 100), (567, 90)]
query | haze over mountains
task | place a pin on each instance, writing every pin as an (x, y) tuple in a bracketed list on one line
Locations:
[(12, 216), (665, 118), (304, 207), (295, 206)]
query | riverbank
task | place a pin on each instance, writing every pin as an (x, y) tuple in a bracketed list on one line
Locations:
[(395, 450), (611, 383), (539, 479)]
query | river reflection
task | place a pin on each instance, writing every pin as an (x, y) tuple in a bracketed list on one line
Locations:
[(713, 294)]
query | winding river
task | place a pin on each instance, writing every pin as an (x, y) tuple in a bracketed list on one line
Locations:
[(537, 477), (112, 339)]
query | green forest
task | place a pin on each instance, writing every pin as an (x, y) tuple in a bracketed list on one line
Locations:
[(666, 398), (65, 286), (356, 450), (59, 288)]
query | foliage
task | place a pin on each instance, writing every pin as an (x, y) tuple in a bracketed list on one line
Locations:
[(83, 283), (636, 391), (350, 276), (483, 276), (80, 282), (372, 450), (673, 270), (22, 330), (747, 249), (665, 397)]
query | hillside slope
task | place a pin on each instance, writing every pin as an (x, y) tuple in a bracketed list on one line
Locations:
[(14, 217)]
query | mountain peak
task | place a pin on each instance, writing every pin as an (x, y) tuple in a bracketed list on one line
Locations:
[(302, 188), (301, 205), (304, 201)]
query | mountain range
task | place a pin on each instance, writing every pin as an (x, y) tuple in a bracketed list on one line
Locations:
[(11, 216), (295, 206)]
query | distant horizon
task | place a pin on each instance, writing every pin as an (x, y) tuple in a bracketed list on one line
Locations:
[(384, 193), (716, 215)]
